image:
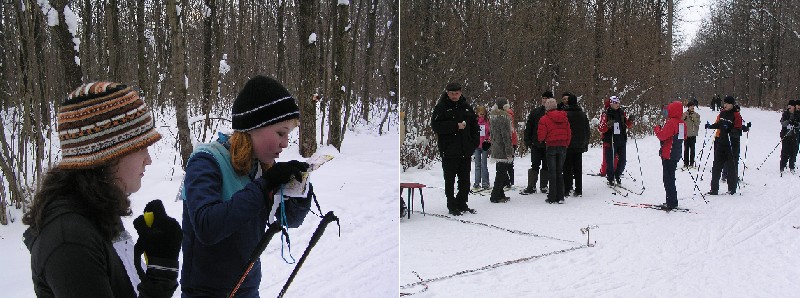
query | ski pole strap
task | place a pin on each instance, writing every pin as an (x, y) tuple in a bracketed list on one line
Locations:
[(328, 218), (274, 228)]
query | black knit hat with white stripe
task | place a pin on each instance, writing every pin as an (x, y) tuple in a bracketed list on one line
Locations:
[(263, 101)]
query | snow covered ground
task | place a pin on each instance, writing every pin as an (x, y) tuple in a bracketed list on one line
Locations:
[(359, 185), (733, 246)]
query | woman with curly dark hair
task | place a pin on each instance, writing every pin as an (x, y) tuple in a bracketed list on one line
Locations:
[(78, 245)]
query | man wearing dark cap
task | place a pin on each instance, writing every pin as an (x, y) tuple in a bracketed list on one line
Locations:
[(788, 136), (726, 146), (456, 125), (691, 120), (538, 150)]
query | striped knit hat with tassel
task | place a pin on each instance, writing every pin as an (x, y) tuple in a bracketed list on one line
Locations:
[(103, 121)]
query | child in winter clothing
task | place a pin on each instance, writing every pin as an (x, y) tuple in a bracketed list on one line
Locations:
[(502, 151), (788, 136), (613, 126), (692, 120), (482, 151), (554, 131), (671, 137), (78, 245), (230, 188)]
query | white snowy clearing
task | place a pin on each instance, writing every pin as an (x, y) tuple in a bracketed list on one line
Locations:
[(359, 185), (733, 246)]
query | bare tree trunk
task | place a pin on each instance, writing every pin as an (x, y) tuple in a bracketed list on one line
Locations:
[(141, 46), (179, 83), (368, 57), (112, 38), (281, 71), (67, 53), (338, 94), (307, 59), (210, 62)]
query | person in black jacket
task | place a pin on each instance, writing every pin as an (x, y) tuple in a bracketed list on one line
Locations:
[(538, 149), (456, 125), (78, 245), (573, 165), (788, 136), (726, 146)]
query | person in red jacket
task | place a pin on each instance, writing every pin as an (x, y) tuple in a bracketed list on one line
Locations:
[(555, 132), (671, 136)]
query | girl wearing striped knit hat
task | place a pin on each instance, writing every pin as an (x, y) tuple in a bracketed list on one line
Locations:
[(78, 245)]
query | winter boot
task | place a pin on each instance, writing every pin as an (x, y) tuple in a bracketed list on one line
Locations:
[(544, 174), (500, 200), (531, 188)]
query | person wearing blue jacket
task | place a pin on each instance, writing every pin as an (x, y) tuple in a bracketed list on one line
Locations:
[(230, 188)]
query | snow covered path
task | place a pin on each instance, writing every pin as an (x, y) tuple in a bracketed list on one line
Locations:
[(734, 246)]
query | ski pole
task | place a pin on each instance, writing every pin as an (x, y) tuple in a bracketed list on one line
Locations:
[(696, 187), (273, 229), (328, 218), (770, 153), (702, 149), (640, 163), (744, 161)]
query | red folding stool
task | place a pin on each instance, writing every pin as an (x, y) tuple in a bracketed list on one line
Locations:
[(411, 186)]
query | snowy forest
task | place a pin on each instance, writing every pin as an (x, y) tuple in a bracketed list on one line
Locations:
[(594, 49), (747, 49), (188, 59)]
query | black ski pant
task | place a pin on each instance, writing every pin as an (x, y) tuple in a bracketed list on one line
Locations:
[(573, 170), (724, 159), (669, 166), (452, 168), (500, 180), (509, 171), (538, 157), (788, 152), (555, 164), (616, 148), (688, 151)]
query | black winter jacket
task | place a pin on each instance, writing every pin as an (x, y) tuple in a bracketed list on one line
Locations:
[(786, 120), (532, 126), (454, 142), (70, 258), (729, 130), (579, 124)]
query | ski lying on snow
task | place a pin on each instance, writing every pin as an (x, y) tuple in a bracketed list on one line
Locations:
[(488, 191), (650, 206), (617, 191)]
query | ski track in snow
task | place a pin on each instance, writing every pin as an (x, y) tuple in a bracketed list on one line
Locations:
[(735, 246)]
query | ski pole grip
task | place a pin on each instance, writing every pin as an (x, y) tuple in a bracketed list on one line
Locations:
[(148, 219)]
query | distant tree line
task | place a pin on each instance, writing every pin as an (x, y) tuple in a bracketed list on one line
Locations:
[(745, 48)]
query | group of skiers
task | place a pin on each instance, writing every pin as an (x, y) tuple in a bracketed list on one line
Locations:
[(557, 134)]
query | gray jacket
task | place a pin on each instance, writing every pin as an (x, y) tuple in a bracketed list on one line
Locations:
[(692, 121), (500, 136)]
